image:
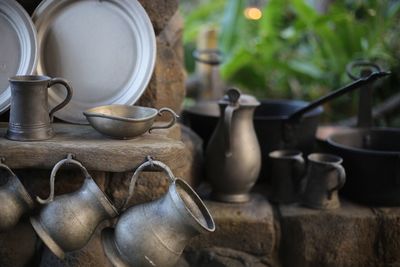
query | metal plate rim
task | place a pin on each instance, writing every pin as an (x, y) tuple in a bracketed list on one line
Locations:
[(137, 82), (26, 33)]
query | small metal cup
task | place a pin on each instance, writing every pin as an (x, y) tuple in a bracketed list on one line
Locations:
[(30, 119), (286, 169), (325, 176)]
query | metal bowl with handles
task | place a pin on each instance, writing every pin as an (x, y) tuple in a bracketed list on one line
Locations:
[(124, 121)]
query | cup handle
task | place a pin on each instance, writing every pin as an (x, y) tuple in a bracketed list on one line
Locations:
[(298, 171), (68, 160), (174, 117), (341, 180), (66, 100), (150, 162)]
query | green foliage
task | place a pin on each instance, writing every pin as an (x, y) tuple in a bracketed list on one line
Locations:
[(294, 51)]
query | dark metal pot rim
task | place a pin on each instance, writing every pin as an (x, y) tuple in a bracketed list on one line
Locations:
[(198, 109), (382, 130)]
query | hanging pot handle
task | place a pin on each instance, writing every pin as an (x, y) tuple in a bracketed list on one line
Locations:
[(68, 160), (67, 98), (233, 97), (367, 68), (150, 162), (341, 180), (5, 167), (170, 124)]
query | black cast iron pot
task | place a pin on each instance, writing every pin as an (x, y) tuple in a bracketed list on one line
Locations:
[(371, 158)]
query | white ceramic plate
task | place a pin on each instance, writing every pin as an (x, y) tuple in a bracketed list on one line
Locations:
[(105, 48), (18, 47)]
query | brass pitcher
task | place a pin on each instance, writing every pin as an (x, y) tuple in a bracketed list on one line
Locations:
[(14, 200), (30, 119), (155, 233), (233, 156), (67, 222)]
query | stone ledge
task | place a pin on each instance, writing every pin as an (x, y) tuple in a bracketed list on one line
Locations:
[(348, 236), (247, 227)]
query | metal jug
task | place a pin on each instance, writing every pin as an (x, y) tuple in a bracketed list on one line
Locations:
[(29, 112), (14, 200), (155, 233), (67, 222), (233, 156)]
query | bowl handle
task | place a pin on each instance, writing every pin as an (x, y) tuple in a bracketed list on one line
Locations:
[(171, 122)]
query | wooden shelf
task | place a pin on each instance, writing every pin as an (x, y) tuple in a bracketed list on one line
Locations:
[(93, 150)]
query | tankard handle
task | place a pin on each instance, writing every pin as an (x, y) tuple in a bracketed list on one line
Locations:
[(67, 98), (68, 160), (144, 165), (341, 180), (174, 117)]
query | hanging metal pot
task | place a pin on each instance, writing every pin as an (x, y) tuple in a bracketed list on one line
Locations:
[(14, 200), (67, 222), (155, 233)]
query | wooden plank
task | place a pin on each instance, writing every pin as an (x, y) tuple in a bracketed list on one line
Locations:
[(96, 152)]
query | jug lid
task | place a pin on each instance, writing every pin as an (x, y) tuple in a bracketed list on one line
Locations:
[(234, 96)]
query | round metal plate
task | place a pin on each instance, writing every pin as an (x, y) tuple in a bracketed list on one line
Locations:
[(18, 49), (106, 49)]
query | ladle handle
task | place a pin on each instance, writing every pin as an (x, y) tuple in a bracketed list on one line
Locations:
[(341, 91), (135, 176), (67, 98), (365, 66), (171, 122), (341, 180), (68, 160)]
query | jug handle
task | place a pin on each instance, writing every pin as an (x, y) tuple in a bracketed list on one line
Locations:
[(341, 180), (4, 166), (233, 97), (150, 162), (67, 98), (227, 129), (68, 160), (174, 117)]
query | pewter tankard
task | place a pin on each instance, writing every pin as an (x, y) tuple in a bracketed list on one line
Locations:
[(233, 156), (287, 169), (325, 176), (30, 119), (67, 222), (14, 200), (155, 233)]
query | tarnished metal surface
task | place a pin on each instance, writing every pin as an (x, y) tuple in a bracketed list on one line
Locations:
[(233, 155), (126, 122), (14, 200), (18, 46), (325, 176), (107, 49), (29, 113), (287, 171), (155, 233), (67, 222)]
